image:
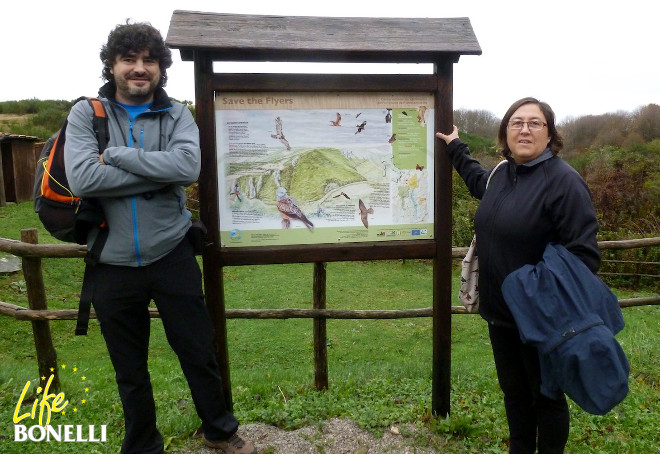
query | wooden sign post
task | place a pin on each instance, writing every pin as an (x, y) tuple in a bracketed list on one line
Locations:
[(281, 183)]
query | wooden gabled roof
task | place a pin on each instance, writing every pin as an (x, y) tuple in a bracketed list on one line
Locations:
[(240, 37)]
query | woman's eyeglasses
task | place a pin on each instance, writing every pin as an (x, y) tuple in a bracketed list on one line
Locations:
[(533, 125)]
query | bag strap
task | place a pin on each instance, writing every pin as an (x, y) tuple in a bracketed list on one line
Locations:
[(100, 125), (85, 305), (493, 171), (87, 291)]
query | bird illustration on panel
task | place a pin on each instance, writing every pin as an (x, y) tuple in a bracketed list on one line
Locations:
[(364, 211), (289, 210), (336, 122), (279, 134), (421, 115)]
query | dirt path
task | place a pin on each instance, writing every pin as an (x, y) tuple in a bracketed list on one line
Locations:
[(336, 436)]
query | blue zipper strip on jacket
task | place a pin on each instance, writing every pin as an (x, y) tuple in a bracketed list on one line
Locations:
[(136, 237)]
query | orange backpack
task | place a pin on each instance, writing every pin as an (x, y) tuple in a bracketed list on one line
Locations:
[(58, 208)]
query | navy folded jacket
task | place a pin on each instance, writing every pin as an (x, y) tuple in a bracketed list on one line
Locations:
[(571, 316)]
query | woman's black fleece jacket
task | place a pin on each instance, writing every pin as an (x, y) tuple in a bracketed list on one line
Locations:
[(526, 207)]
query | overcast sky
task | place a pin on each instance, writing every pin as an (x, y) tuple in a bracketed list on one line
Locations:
[(581, 56)]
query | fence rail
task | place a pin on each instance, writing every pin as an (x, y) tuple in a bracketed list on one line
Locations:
[(39, 314), (21, 313), (30, 250)]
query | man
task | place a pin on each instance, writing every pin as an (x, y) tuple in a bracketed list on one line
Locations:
[(153, 153)]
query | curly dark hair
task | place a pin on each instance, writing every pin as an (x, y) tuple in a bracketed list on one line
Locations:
[(556, 140), (135, 37)]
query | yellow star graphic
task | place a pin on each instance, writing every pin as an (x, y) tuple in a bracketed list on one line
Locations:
[(63, 412), (52, 369), (63, 366), (86, 389), (84, 378), (75, 409), (75, 369), (83, 401), (43, 378)]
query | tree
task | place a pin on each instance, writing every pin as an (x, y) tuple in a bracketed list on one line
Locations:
[(478, 122), (647, 122)]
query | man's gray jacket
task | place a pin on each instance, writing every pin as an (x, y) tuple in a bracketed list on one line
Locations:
[(140, 185)]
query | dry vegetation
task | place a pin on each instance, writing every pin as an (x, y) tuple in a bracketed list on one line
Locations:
[(7, 119)]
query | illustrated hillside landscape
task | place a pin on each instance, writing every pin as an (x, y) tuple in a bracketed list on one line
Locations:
[(312, 177)]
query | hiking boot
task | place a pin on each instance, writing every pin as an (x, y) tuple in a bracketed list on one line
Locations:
[(234, 445)]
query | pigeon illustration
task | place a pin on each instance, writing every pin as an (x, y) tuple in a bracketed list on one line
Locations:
[(393, 138), (279, 134), (364, 212), (288, 208), (388, 117)]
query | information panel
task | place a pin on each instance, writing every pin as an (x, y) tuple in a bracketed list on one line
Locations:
[(312, 168)]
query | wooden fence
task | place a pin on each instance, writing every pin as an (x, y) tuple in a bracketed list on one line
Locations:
[(38, 313)]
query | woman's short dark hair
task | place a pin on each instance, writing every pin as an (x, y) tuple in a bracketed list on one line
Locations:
[(135, 37), (556, 140)]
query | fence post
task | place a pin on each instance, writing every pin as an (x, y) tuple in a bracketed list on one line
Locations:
[(320, 332), (43, 341)]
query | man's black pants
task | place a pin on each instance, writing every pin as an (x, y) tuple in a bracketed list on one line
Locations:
[(121, 296)]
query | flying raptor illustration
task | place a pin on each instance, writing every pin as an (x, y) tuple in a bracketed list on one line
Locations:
[(279, 134), (341, 194), (361, 126), (364, 212), (288, 208), (337, 122)]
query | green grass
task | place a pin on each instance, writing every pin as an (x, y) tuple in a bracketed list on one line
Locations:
[(379, 370)]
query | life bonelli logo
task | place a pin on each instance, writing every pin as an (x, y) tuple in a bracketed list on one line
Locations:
[(33, 424)]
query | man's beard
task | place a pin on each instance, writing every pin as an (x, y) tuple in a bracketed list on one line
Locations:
[(136, 93)]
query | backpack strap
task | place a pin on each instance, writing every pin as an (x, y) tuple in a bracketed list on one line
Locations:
[(100, 125), (87, 290), (93, 255), (85, 305)]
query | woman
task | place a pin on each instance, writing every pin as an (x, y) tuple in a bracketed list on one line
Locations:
[(536, 199)]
